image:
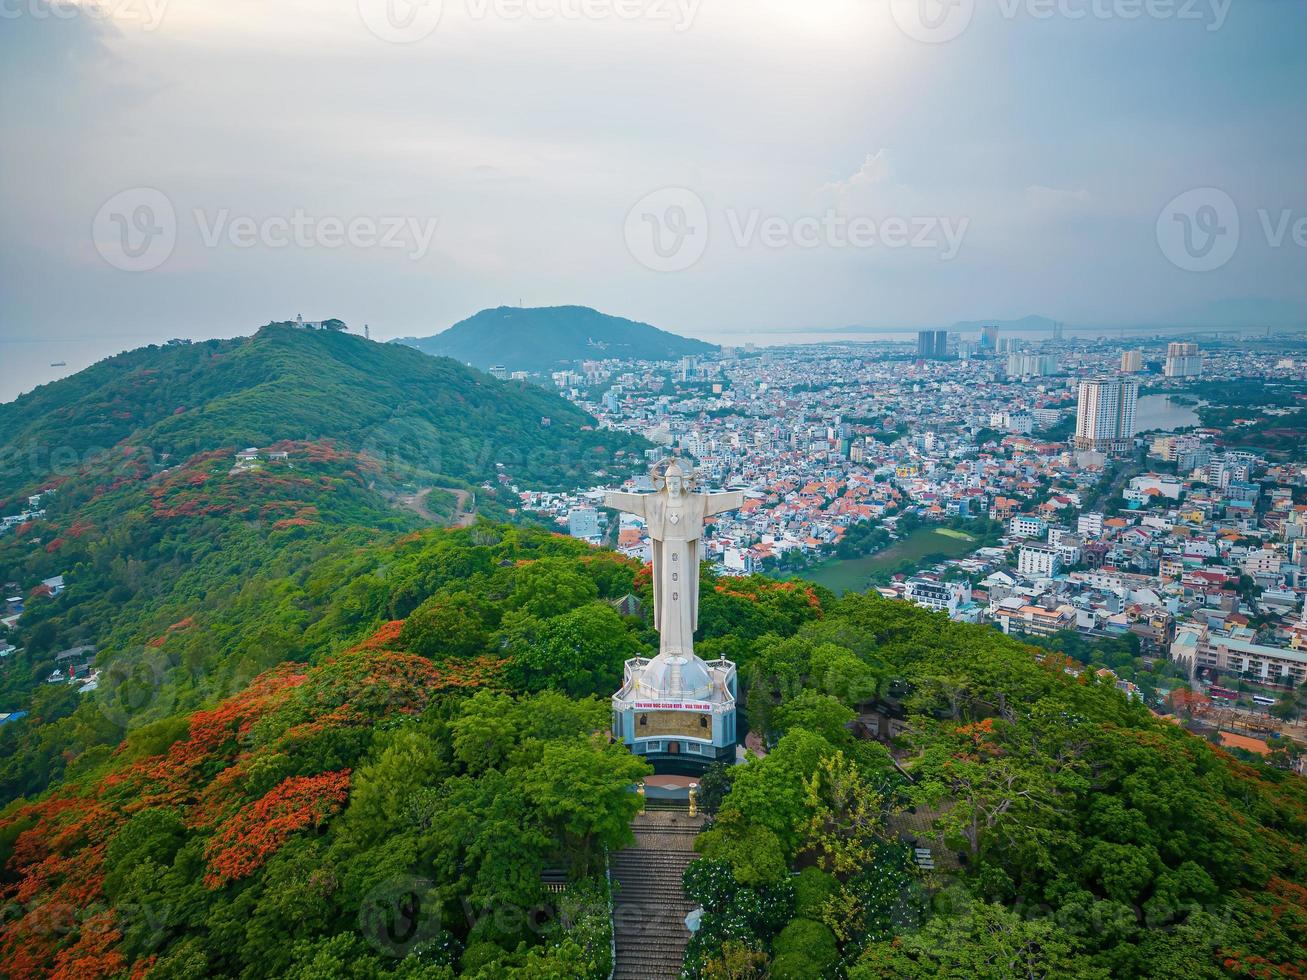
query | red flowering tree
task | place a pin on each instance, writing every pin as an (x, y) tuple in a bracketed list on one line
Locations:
[(246, 841)]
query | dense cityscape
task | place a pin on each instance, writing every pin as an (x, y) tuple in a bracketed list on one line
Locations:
[(1044, 486)]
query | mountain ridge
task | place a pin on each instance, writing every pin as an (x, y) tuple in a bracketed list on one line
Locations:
[(541, 339)]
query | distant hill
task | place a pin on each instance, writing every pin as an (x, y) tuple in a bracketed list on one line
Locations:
[(545, 339), (386, 400)]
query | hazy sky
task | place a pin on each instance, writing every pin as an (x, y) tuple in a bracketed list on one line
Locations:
[(786, 163)]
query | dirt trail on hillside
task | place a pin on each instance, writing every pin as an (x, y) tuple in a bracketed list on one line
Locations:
[(417, 503)]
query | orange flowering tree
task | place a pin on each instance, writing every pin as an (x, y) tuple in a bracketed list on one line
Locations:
[(253, 835)]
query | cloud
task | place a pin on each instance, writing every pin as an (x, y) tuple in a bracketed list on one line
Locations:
[(530, 140), (875, 170)]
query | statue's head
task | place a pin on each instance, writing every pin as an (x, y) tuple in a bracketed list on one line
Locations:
[(675, 479)]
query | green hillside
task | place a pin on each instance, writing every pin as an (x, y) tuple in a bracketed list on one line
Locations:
[(155, 523), (418, 415), (386, 801), (551, 338), (162, 556)]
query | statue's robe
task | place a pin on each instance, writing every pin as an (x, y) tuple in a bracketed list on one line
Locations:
[(675, 525)]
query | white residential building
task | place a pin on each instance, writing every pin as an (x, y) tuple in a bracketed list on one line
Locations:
[(947, 597), (583, 523), (1021, 365), (1264, 561), (1141, 485), (1019, 422), (1183, 361), (739, 560), (1027, 526), (1067, 545), (1197, 647), (1039, 561)]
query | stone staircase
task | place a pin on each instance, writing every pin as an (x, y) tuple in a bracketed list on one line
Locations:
[(649, 905)]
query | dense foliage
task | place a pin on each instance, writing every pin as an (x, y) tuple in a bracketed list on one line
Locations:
[(357, 752), (1254, 413), (1072, 833), (1122, 656), (373, 809)]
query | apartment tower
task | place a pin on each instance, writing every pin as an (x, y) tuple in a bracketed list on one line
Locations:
[(1183, 361), (1105, 416)]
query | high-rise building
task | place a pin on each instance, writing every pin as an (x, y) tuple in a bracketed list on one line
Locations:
[(932, 344), (989, 339), (1183, 360), (1132, 361), (1105, 416), (1030, 365)]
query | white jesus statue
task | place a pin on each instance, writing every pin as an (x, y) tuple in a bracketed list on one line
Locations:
[(675, 516)]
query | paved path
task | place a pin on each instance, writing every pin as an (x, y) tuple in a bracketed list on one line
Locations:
[(649, 904)]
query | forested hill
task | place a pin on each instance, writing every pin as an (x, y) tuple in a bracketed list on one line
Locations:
[(385, 800), (157, 530), (408, 410), (550, 338)]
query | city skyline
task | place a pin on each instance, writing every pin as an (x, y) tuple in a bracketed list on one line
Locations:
[(33, 361)]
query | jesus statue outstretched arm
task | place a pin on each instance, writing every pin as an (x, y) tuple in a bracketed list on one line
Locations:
[(720, 503), (631, 503)]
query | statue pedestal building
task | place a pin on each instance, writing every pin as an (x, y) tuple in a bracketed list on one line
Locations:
[(676, 709), (677, 712)]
